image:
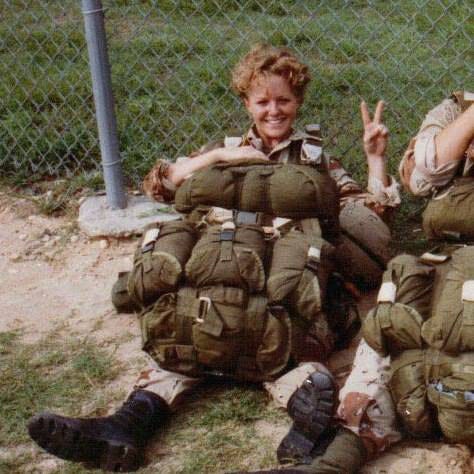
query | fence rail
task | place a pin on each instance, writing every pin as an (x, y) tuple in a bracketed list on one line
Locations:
[(171, 63)]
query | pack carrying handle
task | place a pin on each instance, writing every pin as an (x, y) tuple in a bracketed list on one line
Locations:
[(226, 238), (467, 296)]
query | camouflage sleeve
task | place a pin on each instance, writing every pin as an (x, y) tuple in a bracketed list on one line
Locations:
[(381, 199), (426, 176), (366, 407)]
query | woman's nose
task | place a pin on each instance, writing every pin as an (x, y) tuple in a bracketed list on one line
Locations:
[(273, 107)]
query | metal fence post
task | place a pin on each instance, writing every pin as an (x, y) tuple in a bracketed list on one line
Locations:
[(104, 102)]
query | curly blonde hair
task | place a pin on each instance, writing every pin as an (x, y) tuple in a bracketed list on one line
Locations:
[(263, 60)]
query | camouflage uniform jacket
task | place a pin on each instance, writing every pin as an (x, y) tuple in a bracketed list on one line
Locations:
[(427, 177), (299, 146)]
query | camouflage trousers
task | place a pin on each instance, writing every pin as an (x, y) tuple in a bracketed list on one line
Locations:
[(173, 387), (365, 408), (365, 404)]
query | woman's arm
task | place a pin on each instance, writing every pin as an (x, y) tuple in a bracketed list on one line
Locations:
[(178, 172), (375, 142), (452, 141)]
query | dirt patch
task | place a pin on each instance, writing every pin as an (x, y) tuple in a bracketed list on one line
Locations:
[(53, 275)]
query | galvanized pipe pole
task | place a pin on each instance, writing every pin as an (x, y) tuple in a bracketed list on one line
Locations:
[(104, 102)]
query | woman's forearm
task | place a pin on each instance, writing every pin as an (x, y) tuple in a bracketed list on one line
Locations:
[(452, 141), (378, 169), (178, 172)]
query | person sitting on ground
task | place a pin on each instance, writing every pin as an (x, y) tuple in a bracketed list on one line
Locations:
[(271, 82)]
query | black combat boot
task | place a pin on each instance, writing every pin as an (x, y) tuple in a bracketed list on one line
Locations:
[(312, 408), (112, 443)]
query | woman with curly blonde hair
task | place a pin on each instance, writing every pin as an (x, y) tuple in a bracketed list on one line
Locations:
[(271, 82)]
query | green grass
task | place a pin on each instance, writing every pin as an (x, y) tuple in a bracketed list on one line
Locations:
[(171, 82), (58, 373), (214, 431)]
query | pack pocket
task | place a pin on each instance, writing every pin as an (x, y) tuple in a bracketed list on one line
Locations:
[(408, 389), (299, 272), (391, 328), (451, 327), (226, 255), (451, 215), (455, 412), (159, 260), (218, 333)]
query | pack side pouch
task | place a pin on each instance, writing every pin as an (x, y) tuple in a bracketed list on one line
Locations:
[(391, 328), (414, 280), (229, 256), (451, 214), (455, 412), (451, 327), (159, 260), (404, 301), (218, 333), (167, 339), (298, 273), (287, 264), (265, 349), (408, 389), (121, 299)]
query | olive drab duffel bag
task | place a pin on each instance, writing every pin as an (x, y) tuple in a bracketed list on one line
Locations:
[(229, 255), (220, 330), (160, 259), (283, 190)]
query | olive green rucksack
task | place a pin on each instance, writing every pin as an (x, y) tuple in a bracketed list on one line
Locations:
[(229, 255), (450, 215), (451, 326), (283, 190), (220, 330), (394, 327), (160, 259)]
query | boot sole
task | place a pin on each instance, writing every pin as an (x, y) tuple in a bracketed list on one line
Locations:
[(311, 407), (53, 434)]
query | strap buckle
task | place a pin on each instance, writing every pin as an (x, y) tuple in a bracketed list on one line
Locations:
[(227, 232), (245, 217), (204, 306)]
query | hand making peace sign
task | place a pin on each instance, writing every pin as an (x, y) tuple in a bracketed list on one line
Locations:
[(375, 132)]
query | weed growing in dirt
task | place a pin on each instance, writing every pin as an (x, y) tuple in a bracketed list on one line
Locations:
[(58, 373)]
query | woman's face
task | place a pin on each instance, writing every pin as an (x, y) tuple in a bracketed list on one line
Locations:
[(273, 107)]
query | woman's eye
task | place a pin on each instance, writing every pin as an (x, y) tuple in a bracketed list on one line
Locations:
[(262, 102)]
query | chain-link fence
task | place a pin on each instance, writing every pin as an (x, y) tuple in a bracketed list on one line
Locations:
[(171, 63)]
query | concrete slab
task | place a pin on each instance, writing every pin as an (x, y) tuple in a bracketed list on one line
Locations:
[(97, 219)]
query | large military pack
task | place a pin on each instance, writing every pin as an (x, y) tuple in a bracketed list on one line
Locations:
[(424, 319), (247, 281)]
